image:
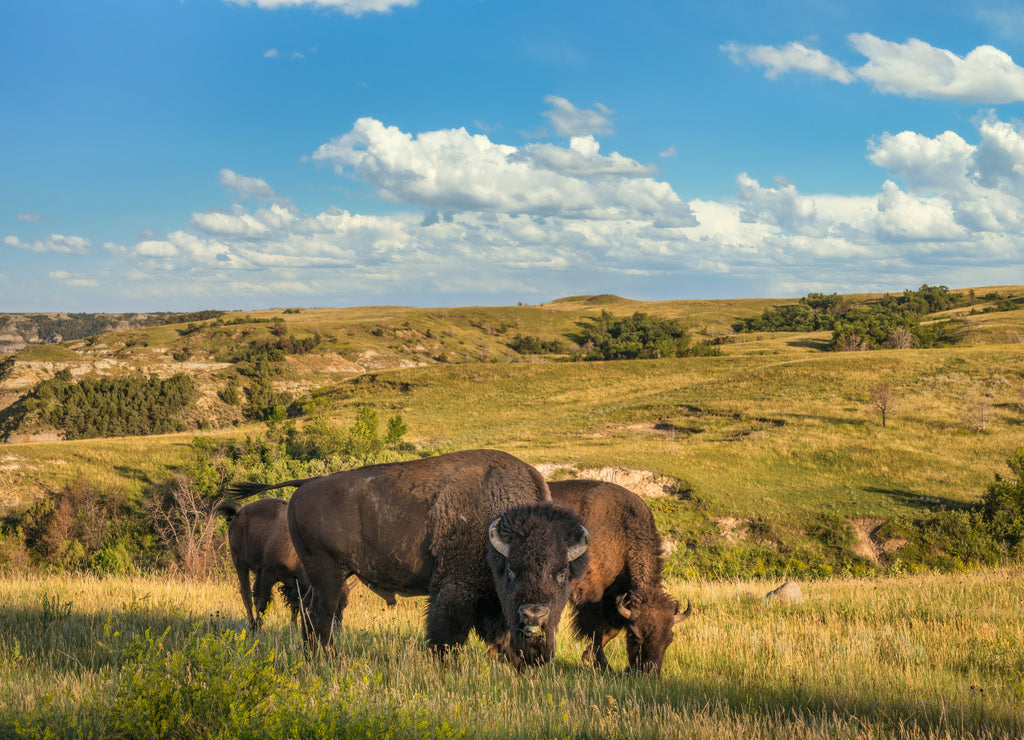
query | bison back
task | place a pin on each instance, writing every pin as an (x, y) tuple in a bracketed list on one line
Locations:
[(625, 550), (398, 525)]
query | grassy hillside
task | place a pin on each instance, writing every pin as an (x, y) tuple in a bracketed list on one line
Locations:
[(775, 433)]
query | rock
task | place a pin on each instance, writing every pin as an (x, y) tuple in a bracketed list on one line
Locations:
[(788, 593)]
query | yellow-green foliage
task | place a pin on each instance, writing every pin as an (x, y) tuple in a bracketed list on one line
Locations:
[(910, 657)]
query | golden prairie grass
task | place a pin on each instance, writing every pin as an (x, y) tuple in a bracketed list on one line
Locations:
[(920, 656)]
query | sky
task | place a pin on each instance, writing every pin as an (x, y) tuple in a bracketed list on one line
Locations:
[(179, 155)]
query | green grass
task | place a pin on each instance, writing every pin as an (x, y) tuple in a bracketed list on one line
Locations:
[(774, 429), (913, 657)]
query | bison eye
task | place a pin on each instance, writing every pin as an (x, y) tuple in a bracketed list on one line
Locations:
[(561, 576), (511, 574)]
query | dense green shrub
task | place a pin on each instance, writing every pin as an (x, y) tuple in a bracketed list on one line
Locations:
[(867, 325), (640, 336), (1002, 504), (111, 407), (531, 345)]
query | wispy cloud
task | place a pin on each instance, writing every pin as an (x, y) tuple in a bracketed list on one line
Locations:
[(568, 120), (73, 281), (31, 217), (246, 187), (793, 57), (348, 7), (56, 244)]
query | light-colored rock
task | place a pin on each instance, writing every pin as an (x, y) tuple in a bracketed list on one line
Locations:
[(788, 593)]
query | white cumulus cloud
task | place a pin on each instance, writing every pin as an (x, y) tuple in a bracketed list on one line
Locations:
[(918, 70), (913, 68), (451, 171)]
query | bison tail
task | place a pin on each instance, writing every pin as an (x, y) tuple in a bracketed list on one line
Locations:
[(247, 489)]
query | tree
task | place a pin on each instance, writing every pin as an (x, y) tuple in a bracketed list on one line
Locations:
[(884, 401), (901, 338)]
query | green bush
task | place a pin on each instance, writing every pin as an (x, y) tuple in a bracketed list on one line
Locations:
[(1002, 504), (640, 336), (218, 686)]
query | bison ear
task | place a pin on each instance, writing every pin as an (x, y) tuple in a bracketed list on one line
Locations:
[(581, 544), (496, 542)]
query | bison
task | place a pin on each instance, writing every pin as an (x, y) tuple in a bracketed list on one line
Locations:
[(424, 527), (622, 586), (259, 543)]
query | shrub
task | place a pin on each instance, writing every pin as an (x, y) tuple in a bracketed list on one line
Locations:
[(639, 336), (200, 684), (1002, 504)]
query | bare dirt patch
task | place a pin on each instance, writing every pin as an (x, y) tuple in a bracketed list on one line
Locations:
[(869, 544), (731, 528), (643, 483)]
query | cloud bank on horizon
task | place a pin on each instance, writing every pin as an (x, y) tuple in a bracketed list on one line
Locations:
[(452, 216)]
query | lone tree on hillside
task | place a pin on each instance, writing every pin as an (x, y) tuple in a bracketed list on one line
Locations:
[(884, 401)]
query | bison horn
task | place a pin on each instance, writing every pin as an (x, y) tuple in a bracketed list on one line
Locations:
[(620, 604), (681, 616), (496, 542), (581, 544)]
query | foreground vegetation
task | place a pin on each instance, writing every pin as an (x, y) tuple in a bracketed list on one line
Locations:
[(908, 657)]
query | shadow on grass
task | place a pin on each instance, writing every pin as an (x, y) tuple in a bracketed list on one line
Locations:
[(917, 501)]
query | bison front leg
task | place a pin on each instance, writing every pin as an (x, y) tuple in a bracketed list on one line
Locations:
[(326, 599), (594, 654), (450, 616)]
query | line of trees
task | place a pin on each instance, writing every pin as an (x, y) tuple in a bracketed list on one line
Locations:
[(893, 321)]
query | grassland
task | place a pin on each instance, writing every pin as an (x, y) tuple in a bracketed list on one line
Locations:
[(774, 429), (907, 657), (774, 432)]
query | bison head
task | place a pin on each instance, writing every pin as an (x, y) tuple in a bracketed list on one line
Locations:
[(651, 614), (535, 553)]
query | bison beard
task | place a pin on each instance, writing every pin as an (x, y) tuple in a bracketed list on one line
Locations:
[(535, 554)]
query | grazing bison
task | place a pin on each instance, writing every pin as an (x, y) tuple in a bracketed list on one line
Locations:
[(423, 527), (622, 587), (259, 543)]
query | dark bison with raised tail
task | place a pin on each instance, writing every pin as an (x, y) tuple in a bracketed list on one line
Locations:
[(421, 527), (622, 587), (259, 543)]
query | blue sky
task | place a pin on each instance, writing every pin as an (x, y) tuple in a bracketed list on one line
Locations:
[(241, 154)]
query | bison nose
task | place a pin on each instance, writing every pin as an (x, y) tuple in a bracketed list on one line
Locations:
[(534, 614)]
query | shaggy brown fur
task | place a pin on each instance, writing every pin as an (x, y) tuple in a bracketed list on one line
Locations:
[(624, 575), (411, 528)]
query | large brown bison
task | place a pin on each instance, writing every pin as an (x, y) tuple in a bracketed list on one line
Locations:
[(259, 543), (622, 587), (424, 527)]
